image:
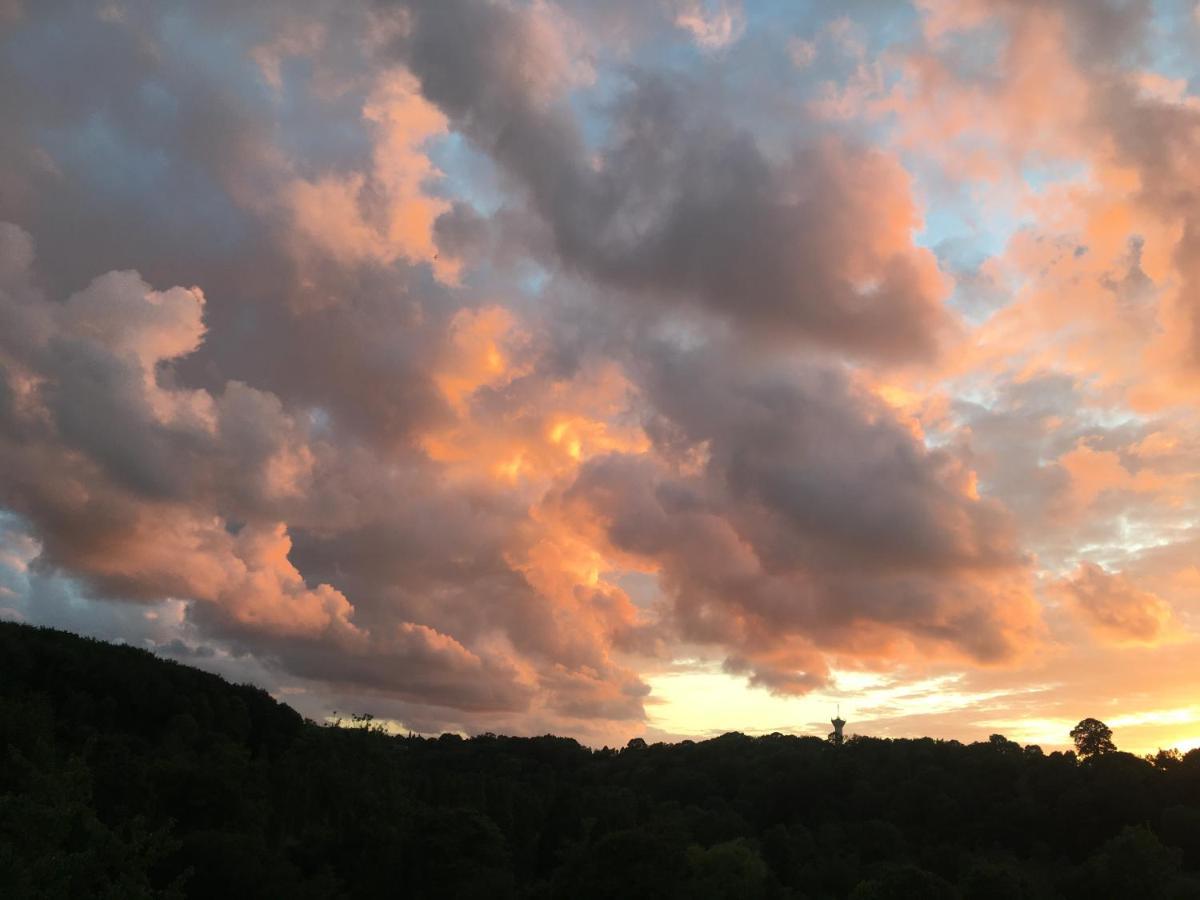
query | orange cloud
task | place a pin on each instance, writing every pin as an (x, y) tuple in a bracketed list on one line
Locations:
[(481, 350), (384, 214), (735, 413), (1114, 607), (1094, 471)]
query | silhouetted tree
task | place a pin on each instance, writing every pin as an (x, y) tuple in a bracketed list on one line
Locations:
[(1092, 737), (1165, 759)]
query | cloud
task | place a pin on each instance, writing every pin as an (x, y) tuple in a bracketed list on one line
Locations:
[(801, 519), (147, 491), (802, 52), (475, 362), (1112, 605), (713, 26), (386, 214), (681, 206)]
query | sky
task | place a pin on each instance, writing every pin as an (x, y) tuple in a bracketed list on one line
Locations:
[(650, 368)]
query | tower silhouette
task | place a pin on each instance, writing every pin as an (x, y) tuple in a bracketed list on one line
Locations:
[(835, 736)]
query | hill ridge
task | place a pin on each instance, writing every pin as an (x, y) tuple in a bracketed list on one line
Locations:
[(128, 775)]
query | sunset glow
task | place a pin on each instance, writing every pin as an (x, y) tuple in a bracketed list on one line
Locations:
[(637, 368)]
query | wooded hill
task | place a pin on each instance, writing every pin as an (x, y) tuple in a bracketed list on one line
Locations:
[(123, 775)]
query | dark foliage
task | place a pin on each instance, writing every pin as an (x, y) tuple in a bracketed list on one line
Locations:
[(1092, 737), (126, 776)]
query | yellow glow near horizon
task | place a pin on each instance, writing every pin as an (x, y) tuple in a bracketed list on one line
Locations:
[(1137, 732), (704, 701)]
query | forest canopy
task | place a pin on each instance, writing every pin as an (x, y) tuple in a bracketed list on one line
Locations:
[(128, 776)]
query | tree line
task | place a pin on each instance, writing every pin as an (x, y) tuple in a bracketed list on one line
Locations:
[(123, 775)]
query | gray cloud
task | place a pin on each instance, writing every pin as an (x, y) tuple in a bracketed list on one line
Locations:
[(680, 205), (257, 449), (146, 490), (814, 520)]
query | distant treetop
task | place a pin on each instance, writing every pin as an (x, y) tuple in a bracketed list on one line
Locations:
[(1092, 737)]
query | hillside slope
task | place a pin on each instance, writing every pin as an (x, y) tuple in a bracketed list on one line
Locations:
[(126, 776)]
